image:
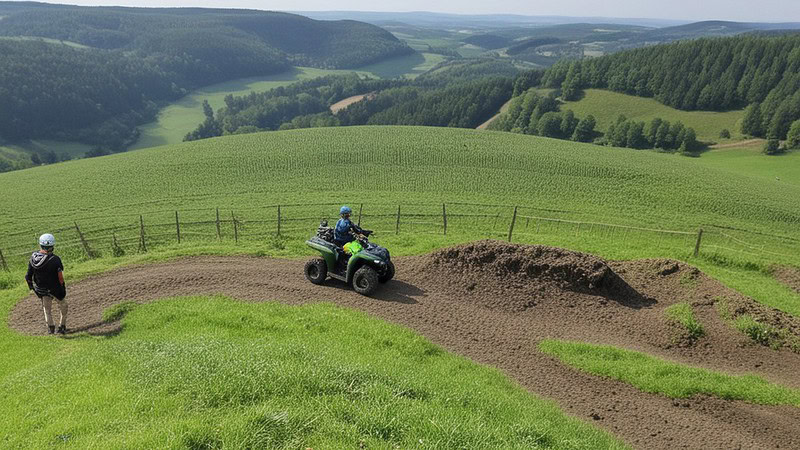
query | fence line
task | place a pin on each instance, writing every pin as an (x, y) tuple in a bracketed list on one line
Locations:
[(506, 221)]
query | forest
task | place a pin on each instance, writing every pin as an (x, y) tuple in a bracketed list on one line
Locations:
[(760, 72), (106, 70)]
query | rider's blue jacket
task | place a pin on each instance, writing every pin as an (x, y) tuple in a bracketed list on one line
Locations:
[(342, 231)]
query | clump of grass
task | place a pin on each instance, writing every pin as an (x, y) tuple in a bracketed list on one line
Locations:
[(759, 332), (118, 311), (688, 280), (654, 375), (762, 333), (682, 313), (7, 280)]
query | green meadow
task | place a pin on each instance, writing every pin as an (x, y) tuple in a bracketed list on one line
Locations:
[(606, 106)]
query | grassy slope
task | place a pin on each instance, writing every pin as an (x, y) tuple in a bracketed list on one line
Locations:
[(750, 161), (409, 66), (423, 165), (199, 372), (606, 106), (413, 164)]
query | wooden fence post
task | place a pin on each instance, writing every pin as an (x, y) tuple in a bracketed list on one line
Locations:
[(513, 221), (85, 245), (142, 240), (235, 228), (219, 234), (360, 208), (397, 227), (279, 220), (697, 245), (3, 261), (178, 227), (444, 218)]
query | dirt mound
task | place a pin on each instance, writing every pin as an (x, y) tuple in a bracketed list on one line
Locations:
[(517, 277), (789, 276), (468, 300)]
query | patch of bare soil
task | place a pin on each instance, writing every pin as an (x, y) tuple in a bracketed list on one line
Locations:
[(789, 276), (738, 144), (493, 302), (343, 104)]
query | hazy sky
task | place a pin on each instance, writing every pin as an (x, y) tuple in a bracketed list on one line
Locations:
[(740, 10)]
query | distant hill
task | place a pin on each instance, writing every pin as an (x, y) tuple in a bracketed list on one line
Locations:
[(119, 64)]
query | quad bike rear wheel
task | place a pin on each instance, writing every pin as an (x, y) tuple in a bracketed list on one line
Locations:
[(316, 271), (365, 280)]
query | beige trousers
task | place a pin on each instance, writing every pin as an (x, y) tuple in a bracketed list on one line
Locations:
[(47, 306)]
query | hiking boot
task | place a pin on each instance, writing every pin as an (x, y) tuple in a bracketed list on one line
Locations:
[(51, 329), (62, 329)]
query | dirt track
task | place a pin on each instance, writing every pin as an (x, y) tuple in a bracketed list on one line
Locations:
[(789, 276), (493, 302)]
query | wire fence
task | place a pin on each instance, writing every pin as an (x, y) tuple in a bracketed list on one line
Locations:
[(139, 233)]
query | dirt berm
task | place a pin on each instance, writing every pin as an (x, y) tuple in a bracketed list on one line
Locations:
[(493, 302)]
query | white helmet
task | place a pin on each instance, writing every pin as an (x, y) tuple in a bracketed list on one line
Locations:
[(47, 240)]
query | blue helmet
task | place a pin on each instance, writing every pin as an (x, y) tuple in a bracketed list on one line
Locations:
[(345, 210)]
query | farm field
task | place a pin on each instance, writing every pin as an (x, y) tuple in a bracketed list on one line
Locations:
[(606, 106), (409, 66)]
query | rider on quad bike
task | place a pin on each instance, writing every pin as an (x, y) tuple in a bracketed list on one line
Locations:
[(343, 232), (361, 263)]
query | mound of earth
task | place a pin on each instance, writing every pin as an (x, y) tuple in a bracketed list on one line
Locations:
[(494, 302), (517, 277), (789, 276)]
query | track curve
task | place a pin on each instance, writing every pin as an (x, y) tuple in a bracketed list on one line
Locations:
[(469, 322)]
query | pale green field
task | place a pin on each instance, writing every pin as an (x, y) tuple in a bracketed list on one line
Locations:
[(409, 66), (606, 106), (184, 115), (780, 170), (22, 151), (44, 39)]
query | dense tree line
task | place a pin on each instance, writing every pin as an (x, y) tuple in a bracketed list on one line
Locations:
[(265, 111), (658, 134), (532, 43), (706, 74), (456, 94), (534, 114)]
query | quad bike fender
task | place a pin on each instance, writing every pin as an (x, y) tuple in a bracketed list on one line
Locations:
[(363, 258), (328, 254)]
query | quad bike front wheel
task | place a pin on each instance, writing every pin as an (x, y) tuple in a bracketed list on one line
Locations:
[(389, 273), (365, 280), (316, 271)]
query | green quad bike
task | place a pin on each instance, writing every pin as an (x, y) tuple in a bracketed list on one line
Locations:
[(365, 270)]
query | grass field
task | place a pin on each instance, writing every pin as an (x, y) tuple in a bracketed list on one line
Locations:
[(21, 152), (43, 39), (606, 106), (207, 372), (422, 168), (753, 163), (666, 378)]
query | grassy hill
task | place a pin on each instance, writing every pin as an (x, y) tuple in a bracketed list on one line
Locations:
[(606, 106), (405, 164)]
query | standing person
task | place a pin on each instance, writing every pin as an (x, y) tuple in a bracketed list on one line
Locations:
[(46, 277)]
